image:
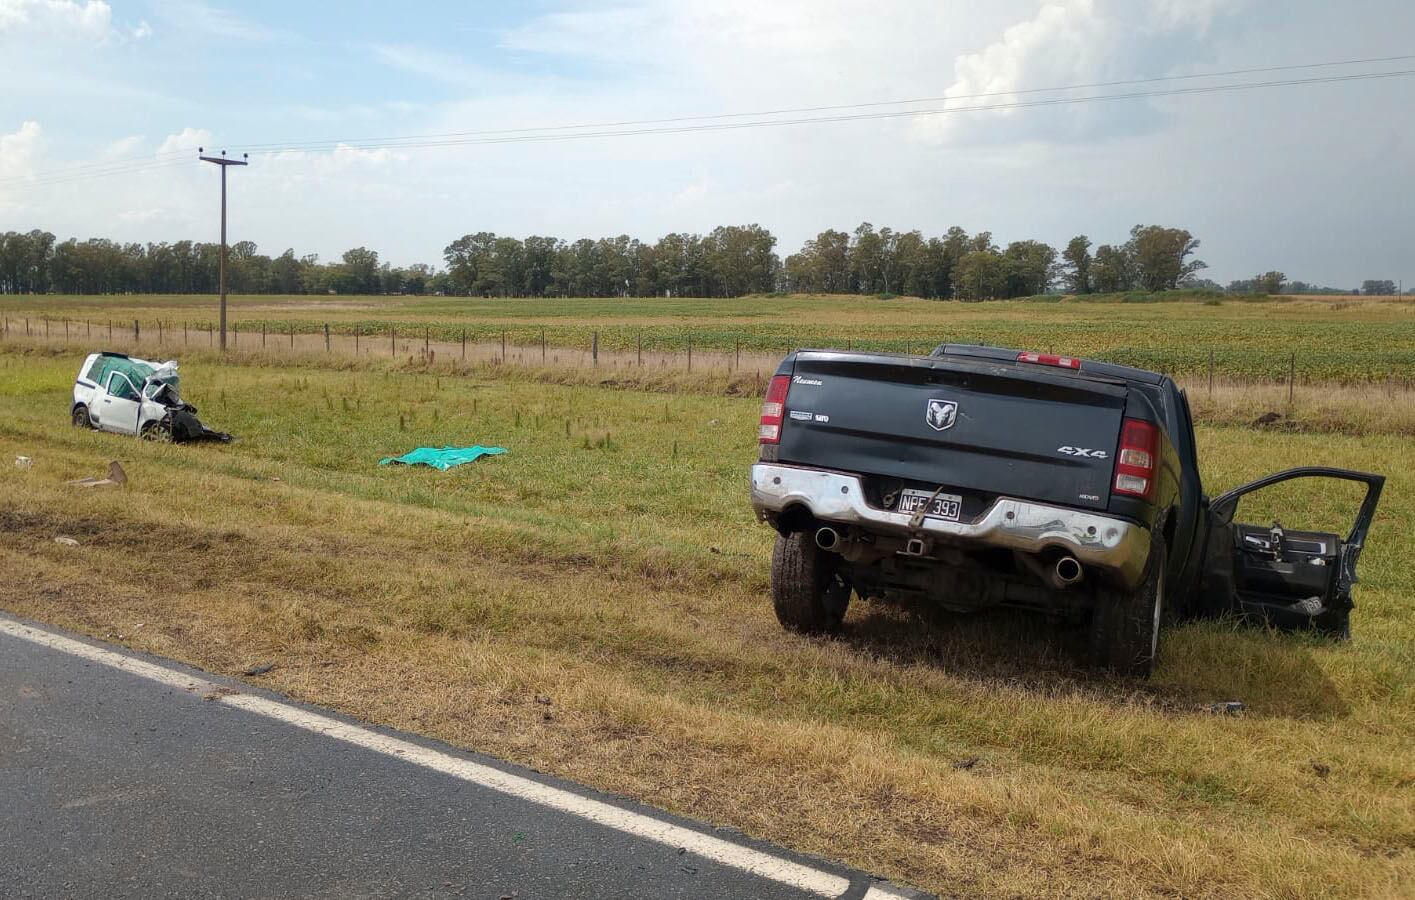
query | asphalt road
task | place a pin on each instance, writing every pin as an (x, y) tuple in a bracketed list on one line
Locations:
[(126, 775)]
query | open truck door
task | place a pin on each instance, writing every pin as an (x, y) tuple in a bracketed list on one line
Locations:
[(1290, 578)]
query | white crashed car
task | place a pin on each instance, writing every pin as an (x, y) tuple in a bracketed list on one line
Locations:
[(114, 392)]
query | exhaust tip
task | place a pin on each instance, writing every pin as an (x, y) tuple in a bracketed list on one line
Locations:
[(1068, 570), (827, 538)]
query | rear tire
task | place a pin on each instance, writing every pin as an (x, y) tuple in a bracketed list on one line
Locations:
[(1335, 624), (1125, 625), (807, 592), (80, 417)]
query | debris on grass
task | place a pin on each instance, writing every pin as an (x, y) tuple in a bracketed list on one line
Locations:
[(116, 478), (66, 541), (258, 670), (441, 458), (1227, 707), (23, 462)]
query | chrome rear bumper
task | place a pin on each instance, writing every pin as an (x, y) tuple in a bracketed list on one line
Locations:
[(1115, 545)]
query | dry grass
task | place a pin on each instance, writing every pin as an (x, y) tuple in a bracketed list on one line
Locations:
[(625, 579), (1347, 339)]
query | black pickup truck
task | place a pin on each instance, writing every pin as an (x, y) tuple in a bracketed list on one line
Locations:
[(981, 476)]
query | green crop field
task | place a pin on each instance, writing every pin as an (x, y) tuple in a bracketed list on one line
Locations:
[(1328, 339), (593, 603)]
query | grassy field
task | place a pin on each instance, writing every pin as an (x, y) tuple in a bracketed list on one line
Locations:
[(609, 564), (1348, 339)]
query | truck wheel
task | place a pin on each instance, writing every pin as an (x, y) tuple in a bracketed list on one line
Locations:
[(1125, 625), (81, 418), (807, 593), (1335, 623)]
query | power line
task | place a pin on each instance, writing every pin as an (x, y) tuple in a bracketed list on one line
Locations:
[(439, 142), (715, 122), (294, 145), (102, 167)]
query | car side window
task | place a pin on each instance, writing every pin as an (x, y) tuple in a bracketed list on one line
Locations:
[(95, 370), (119, 386)]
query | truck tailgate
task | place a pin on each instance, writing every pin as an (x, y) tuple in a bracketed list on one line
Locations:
[(996, 428)]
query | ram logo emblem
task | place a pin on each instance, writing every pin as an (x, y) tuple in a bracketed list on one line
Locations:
[(941, 414)]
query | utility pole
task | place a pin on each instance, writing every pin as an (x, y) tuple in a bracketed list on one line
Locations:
[(224, 163)]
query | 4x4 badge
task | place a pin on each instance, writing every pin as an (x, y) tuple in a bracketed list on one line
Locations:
[(941, 414)]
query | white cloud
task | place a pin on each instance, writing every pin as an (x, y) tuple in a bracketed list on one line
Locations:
[(123, 147), (140, 32), (200, 17), (188, 139), (18, 151), (63, 18), (1068, 42)]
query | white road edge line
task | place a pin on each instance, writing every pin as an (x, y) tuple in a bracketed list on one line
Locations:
[(756, 862)]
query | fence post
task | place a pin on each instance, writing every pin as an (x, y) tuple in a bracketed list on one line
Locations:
[(326, 337), (235, 334), (292, 334), (1291, 377), (690, 351), (594, 348), (464, 343), (210, 335), (184, 334), (392, 340), (262, 335), (1211, 374), (46, 327), (159, 331), (66, 329), (87, 325), (542, 346), (356, 340), (135, 329)]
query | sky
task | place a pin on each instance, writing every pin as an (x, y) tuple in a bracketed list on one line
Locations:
[(104, 104)]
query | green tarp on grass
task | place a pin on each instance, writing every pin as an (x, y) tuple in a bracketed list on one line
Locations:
[(442, 458)]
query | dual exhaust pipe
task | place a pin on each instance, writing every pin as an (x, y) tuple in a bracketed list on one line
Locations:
[(1066, 571)]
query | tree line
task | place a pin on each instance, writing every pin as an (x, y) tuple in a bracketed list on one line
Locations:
[(729, 261)]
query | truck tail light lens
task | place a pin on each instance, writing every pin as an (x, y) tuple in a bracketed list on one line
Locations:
[(1049, 359), (773, 409), (1136, 461)]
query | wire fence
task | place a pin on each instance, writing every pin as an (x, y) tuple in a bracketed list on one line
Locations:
[(682, 351)]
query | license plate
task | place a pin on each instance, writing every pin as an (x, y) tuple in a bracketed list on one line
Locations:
[(945, 506)]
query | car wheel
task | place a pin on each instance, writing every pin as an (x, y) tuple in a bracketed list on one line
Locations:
[(81, 418), (807, 592), (1125, 625), (157, 432)]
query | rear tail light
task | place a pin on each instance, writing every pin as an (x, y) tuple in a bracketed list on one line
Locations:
[(1049, 359), (773, 409), (1136, 461)]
